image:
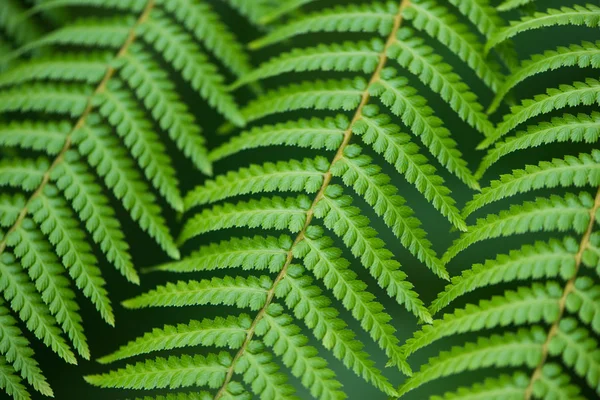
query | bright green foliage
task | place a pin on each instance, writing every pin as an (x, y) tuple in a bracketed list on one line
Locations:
[(585, 55), (588, 15), (508, 5), (554, 355), (219, 332), (569, 128), (85, 111), (392, 55), (577, 94), (173, 372), (521, 349), (571, 171)]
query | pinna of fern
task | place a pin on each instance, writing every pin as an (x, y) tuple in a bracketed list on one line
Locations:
[(545, 330), (281, 284), (85, 124)]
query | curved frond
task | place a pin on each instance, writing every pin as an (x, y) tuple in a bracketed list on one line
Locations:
[(588, 15)]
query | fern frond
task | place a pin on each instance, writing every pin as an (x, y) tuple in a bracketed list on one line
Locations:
[(360, 70), (59, 224), (523, 348), (45, 270), (411, 52), (549, 214), (256, 253), (571, 317), (440, 23), (541, 260), (267, 213), (11, 382), (588, 15), (218, 332), (242, 292), (508, 5), (540, 303), (315, 133), (294, 176), (173, 372), (376, 17), (39, 136), (24, 300), (580, 93), (366, 178), (310, 305), (75, 67), (326, 263), (287, 342), (106, 79), (570, 171), (321, 95), (15, 348), (504, 387), (348, 56), (585, 55), (568, 128)]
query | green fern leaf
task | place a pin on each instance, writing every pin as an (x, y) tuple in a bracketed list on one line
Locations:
[(554, 213), (377, 17), (11, 382), (348, 56), (242, 292), (46, 136), (219, 332), (110, 125), (570, 171), (440, 23), (286, 341), (508, 5), (294, 176), (509, 350), (585, 55), (268, 213), (174, 372), (411, 52), (315, 133), (588, 15), (569, 128), (257, 253), (541, 260)]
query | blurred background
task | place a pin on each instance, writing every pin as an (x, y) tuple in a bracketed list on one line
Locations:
[(67, 380)]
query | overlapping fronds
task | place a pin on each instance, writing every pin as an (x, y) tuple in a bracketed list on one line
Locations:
[(85, 122), (312, 274), (553, 352)]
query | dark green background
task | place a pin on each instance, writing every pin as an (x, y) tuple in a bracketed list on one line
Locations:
[(67, 380)]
